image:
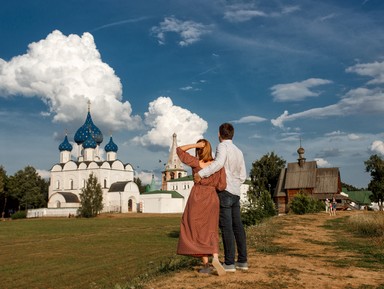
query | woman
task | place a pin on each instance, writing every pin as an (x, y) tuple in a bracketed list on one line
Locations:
[(199, 235)]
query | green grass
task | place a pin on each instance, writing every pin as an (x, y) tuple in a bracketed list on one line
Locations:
[(87, 253)]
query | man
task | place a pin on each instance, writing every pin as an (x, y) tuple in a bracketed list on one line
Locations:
[(231, 158)]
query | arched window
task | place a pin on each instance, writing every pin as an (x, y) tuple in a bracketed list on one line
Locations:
[(58, 184), (179, 175), (83, 183), (71, 184), (58, 204), (105, 183)]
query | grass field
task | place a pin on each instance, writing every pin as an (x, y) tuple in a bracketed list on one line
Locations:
[(85, 253), (126, 250)]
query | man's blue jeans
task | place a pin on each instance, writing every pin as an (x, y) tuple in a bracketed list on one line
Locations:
[(232, 228)]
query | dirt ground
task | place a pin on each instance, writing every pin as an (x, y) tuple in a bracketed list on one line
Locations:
[(309, 263)]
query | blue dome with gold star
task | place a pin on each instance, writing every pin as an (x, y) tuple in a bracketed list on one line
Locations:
[(88, 128), (65, 145), (111, 146), (89, 142)]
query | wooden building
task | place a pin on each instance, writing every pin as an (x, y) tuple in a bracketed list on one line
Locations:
[(305, 177)]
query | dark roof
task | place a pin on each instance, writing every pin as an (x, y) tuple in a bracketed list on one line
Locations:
[(69, 197), (327, 180), (308, 176), (118, 186), (173, 193), (301, 177)]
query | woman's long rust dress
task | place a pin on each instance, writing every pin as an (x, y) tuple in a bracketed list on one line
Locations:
[(199, 228)]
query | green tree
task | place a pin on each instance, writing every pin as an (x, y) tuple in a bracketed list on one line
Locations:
[(139, 183), (91, 198), (265, 174), (26, 186), (3, 191), (375, 166)]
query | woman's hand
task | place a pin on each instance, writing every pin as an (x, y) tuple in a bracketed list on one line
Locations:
[(200, 145)]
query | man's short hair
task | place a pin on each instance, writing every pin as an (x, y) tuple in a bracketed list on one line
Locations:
[(226, 131)]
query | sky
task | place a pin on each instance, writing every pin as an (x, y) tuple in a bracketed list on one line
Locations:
[(284, 73)]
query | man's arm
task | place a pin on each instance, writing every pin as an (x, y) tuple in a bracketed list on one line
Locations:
[(216, 165)]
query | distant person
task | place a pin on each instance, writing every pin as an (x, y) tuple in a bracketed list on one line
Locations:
[(327, 203), (199, 228), (231, 158), (334, 206)]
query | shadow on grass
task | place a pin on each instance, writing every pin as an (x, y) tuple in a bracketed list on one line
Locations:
[(174, 234)]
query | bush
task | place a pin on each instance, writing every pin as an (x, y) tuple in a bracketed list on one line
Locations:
[(304, 204), (262, 208), (19, 215)]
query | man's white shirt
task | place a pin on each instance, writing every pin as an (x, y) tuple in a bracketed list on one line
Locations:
[(231, 158)]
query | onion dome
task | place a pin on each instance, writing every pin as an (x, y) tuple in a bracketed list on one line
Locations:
[(88, 128), (89, 142), (65, 145), (111, 146)]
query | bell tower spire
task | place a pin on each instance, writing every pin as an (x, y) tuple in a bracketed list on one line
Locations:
[(174, 168)]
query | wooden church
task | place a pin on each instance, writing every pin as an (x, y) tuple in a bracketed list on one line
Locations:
[(305, 177)]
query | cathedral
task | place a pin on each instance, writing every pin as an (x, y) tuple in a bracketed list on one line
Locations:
[(69, 176)]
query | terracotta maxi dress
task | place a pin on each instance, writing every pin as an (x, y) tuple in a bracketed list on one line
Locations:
[(199, 228)]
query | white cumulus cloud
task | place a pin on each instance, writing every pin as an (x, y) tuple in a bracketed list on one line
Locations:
[(377, 146), (322, 163), (65, 72), (163, 118)]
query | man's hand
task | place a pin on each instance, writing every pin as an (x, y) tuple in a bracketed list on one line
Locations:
[(196, 178)]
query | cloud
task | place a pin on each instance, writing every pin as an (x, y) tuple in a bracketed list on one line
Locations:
[(357, 101), (335, 133), (245, 12), (374, 70), (353, 136), (322, 163), (146, 178), (297, 91), (250, 119), (241, 15), (44, 174), (65, 72), (164, 118), (377, 146), (189, 31)]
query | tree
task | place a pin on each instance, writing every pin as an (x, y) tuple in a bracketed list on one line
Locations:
[(265, 174), (91, 198), (139, 183), (3, 191), (28, 189), (375, 166)]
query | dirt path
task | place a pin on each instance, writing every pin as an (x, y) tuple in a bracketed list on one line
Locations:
[(307, 264)]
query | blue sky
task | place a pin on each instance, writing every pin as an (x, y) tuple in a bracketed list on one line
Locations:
[(281, 71)]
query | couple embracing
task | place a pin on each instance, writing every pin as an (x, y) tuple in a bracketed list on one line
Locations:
[(214, 202)]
